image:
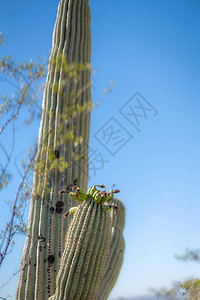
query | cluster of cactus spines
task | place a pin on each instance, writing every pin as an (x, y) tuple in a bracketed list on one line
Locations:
[(59, 148), (116, 255), (87, 248)]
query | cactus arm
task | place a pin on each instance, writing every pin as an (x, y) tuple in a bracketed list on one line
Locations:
[(88, 243)]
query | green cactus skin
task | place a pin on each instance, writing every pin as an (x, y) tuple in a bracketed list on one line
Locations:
[(45, 239), (86, 253), (118, 217), (114, 265), (116, 255)]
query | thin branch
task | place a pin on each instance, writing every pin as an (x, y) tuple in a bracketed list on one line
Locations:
[(19, 107), (10, 82), (9, 279), (3, 172), (18, 167), (11, 152), (11, 118), (9, 234), (4, 150)]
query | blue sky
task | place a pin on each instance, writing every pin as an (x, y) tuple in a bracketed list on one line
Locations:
[(151, 47)]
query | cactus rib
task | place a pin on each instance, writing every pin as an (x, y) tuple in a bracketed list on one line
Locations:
[(116, 256)]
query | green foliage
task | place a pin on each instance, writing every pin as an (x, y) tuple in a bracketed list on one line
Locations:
[(2, 39), (27, 71), (23, 78), (4, 179), (191, 289), (193, 255), (72, 70)]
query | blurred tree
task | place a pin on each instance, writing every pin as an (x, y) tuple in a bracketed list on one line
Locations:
[(188, 289), (20, 106)]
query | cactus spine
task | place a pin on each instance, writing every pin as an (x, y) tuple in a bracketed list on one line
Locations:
[(65, 118), (86, 252)]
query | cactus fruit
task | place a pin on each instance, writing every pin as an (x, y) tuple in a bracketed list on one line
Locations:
[(86, 252), (62, 157)]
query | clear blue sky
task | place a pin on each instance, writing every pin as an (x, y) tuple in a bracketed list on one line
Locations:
[(151, 47)]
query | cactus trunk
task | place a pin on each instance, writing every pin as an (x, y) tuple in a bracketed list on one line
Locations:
[(62, 149)]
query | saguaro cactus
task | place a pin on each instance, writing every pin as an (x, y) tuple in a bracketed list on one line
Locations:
[(61, 164), (62, 157)]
